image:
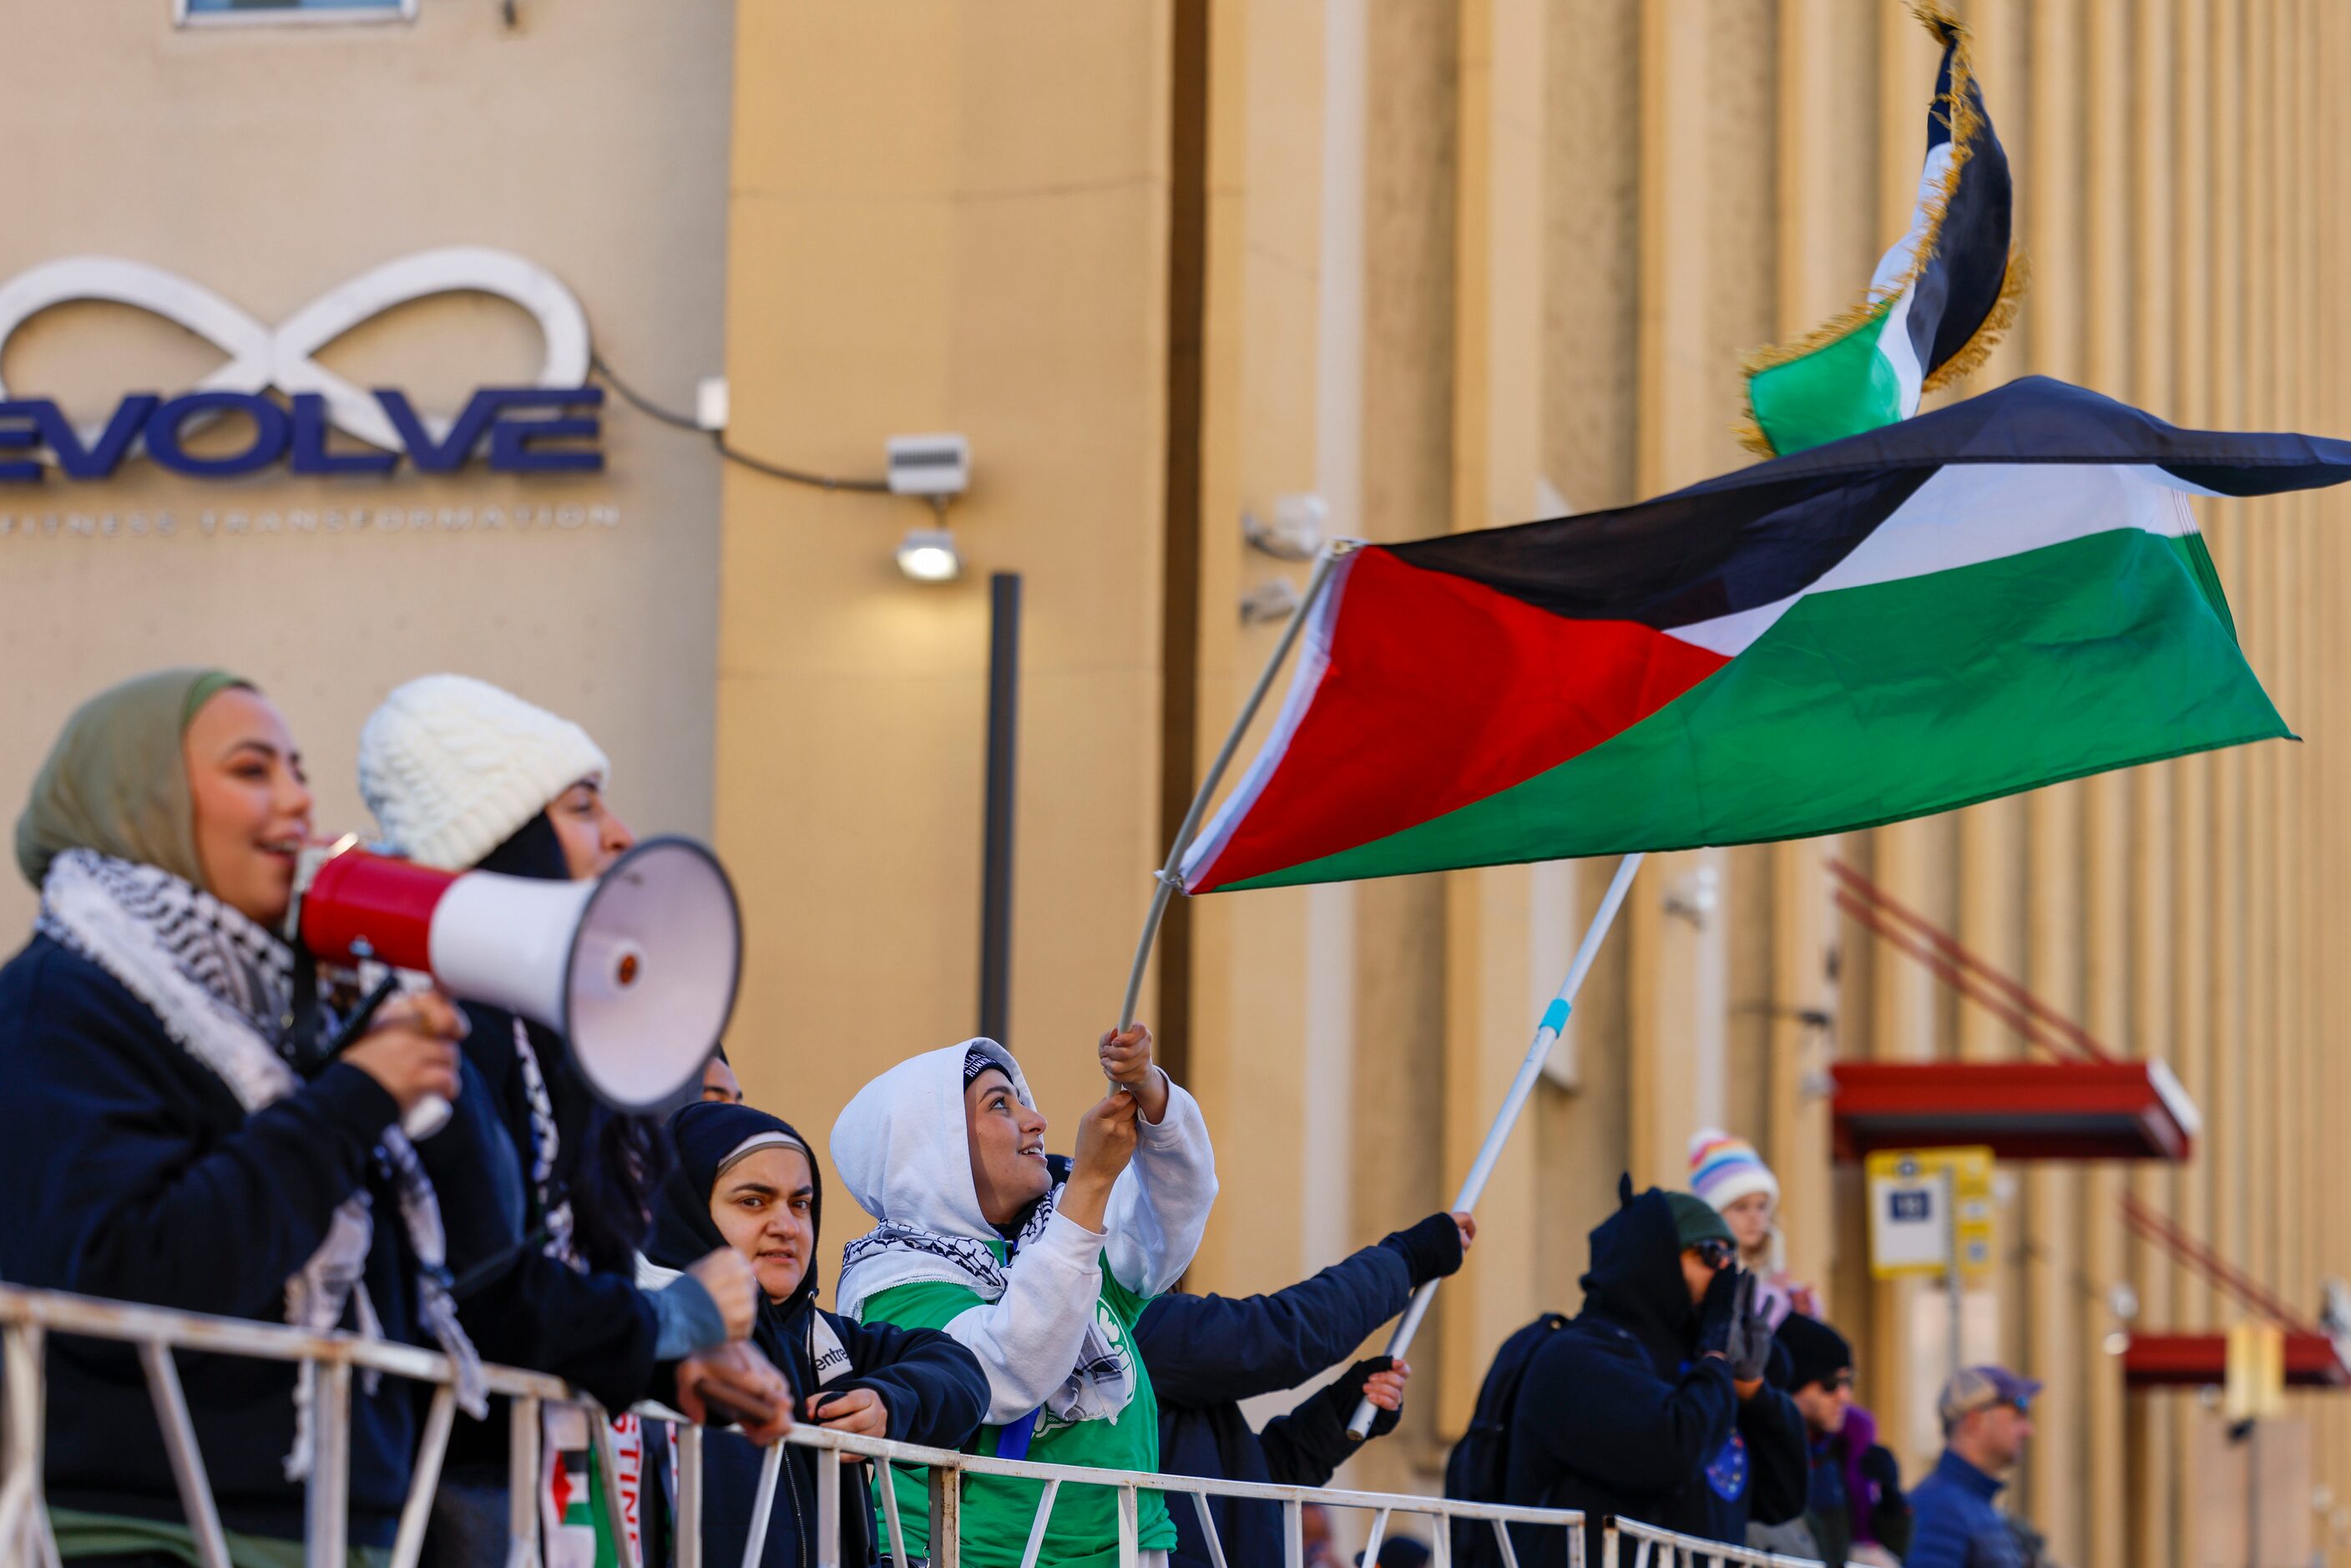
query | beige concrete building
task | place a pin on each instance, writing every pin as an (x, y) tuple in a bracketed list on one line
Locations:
[(275, 164), (1442, 265)]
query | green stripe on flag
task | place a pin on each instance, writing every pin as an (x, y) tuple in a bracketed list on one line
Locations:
[(1869, 705), (1841, 389)]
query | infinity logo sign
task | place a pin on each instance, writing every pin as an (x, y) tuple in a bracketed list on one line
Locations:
[(261, 357)]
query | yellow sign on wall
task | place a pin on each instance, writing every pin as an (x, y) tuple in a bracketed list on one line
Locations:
[(1926, 1203)]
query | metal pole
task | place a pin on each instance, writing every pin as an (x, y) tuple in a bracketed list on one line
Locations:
[(1951, 1258), (1316, 584), (1003, 755), (327, 1497), (1523, 1088)]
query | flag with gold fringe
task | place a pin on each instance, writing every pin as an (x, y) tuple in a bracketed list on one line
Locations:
[(1938, 301)]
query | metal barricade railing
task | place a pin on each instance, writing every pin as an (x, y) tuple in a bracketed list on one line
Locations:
[(27, 1317), (1654, 1548)]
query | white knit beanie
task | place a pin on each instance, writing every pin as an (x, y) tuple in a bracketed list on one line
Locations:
[(453, 766)]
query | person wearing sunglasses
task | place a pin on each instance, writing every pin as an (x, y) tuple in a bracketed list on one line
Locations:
[(1650, 1403), (1987, 1417), (1853, 1510)]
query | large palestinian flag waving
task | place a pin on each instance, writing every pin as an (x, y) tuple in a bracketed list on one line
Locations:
[(1938, 302), (1999, 594)]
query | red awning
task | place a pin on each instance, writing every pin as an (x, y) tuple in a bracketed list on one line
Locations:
[(2193, 1360), (2024, 1110)]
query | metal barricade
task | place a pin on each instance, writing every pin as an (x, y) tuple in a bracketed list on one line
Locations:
[(28, 1317), (1654, 1548)]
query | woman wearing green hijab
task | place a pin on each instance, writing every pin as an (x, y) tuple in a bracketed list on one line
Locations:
[(170, 1135)]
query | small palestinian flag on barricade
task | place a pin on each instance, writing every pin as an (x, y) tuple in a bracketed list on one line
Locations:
[(1985, 598), (1938, 302)]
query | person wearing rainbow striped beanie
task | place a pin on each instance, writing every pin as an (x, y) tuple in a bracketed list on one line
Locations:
[(1732, 1177)]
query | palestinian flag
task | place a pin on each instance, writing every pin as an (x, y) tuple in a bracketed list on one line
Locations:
[(1939, 301), (1985, 598)]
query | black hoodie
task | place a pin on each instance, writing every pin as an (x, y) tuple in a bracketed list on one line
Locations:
[(932, 1388), (1620, 1415)]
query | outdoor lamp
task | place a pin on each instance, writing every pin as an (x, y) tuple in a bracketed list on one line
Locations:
[(928, 555)]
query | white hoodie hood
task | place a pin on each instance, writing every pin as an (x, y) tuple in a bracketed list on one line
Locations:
[(900, 1146)]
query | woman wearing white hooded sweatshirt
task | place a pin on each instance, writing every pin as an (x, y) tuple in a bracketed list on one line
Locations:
[(1042, 1281)]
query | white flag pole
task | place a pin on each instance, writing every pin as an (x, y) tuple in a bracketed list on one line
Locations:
[(1321, 579), (1523, 1088)]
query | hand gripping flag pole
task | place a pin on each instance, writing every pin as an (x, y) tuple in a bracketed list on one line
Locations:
[(1523, 1088), (1170, 876)]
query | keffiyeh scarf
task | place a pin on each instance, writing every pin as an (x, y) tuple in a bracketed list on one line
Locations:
[(223, 987), (1098, 1386)]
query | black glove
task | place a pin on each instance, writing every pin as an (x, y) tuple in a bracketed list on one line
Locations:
[(1749, 1345), (1354, 1381), (1877, 1464), (1431, 1250)]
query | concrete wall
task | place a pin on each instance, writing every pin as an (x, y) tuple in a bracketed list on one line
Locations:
[(1456, 252), (273, 164)]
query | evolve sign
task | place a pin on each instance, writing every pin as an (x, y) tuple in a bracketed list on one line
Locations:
[(551, 426)]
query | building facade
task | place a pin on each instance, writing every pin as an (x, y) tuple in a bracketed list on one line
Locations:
[(272, 159), (1446, 264), (1170, 265)]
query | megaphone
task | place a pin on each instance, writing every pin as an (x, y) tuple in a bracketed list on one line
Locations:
[(637, 969)]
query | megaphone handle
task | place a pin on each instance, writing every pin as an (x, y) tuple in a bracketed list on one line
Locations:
[(357, 1024)]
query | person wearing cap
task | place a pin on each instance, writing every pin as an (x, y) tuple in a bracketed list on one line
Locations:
[(1854, 1511), (1652, 1404), (462, 775), (1729, 1175), (1042, 1277), (1206, 1353), (1987, 1417), (746, 1180)]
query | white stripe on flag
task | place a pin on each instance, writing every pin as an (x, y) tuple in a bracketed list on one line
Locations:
[(1973, 512), (1313, 658)]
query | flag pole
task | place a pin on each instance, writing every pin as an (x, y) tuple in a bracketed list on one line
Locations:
[(1523, 1088), (1325, 560)]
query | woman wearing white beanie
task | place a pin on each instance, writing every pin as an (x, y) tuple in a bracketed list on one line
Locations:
[(462, 775)]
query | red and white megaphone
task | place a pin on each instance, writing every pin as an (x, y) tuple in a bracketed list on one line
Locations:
[(637, 969)]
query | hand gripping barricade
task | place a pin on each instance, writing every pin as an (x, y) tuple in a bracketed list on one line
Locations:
[(29, 1318)]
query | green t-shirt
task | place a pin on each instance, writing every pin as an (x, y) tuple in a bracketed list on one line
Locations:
[(998, 1510)]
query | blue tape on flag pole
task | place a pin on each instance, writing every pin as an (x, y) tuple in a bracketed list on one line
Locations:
[(1554, 1017)]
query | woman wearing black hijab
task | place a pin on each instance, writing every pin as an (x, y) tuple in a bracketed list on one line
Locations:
[(747, 1180)]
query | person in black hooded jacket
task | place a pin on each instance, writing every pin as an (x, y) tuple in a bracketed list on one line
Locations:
[(1206, 1353), (748, 1180), (1652, 1403)]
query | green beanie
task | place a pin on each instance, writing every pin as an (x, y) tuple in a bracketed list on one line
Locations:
[(1694, 1220)]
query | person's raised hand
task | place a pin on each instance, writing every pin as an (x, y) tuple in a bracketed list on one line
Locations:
[(734, 1287), (1381, 1380), (1385, 1389), (1467, 1223), (1431, 1250), (859, 1410), (735, 1384), (411, 1048), (1106, 1138), (1126, 1061), (1749, 1347)]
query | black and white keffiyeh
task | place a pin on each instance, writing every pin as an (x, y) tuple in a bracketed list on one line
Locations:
[(223, 989), (1101, 1382)]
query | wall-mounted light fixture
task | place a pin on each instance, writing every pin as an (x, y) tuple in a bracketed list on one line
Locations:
[(929, 555)]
